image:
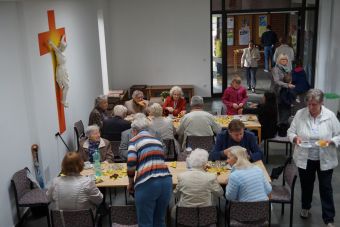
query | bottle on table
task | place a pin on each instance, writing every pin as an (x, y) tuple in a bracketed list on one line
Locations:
[(96, 160)]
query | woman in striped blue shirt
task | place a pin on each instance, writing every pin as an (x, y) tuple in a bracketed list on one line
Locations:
[(247, 182), (153, 183)]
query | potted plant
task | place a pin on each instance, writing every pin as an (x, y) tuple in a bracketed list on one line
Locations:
[(165, 94)]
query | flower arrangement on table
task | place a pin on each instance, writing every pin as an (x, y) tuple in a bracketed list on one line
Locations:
[(164, 95)]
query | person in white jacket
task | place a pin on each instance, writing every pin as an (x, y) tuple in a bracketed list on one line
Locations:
[(72, 191), (249, 59), (284, 49), (316, 132)]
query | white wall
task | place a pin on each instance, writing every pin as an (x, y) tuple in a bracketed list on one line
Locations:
[(29, 113), (160, 42), (328, 47)]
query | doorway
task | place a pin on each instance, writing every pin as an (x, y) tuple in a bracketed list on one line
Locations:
[(235, 23)]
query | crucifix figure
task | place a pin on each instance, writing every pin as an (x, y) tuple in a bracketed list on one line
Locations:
[(61, 71), (55, 35)]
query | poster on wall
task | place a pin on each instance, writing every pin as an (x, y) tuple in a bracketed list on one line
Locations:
[(230, 22), (244, 35), (262, 24), (230, 36)]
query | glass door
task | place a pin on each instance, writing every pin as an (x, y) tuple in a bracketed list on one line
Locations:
[(217, 69)]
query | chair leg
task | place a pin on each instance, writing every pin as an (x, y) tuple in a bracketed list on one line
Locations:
[(267, 153), (286, 149), (291, 214), (48, 217), (282, 208), (270, 214)]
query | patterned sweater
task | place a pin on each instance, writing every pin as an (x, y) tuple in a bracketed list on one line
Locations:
[(146, 157)]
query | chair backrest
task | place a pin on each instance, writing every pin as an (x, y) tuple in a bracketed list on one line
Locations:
[(21, 183), (204, 142), (72, 218), (123, 215), (115, 150), (290, 174), (251, 213), (171, 154), (196, 216), (79, 131)]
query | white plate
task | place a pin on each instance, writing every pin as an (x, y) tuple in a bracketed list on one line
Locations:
[(318, 144), (305, 145), (88, 166)]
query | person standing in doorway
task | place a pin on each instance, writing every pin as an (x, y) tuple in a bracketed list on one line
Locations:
[(218, 54), (249, 59), (268, 40)]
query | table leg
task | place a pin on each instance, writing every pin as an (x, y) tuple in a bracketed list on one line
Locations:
[(259, 135)]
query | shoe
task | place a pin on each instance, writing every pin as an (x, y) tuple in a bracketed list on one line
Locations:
[(266, 70), (330, 225), (249, 88), (304, 213), (253, 90)]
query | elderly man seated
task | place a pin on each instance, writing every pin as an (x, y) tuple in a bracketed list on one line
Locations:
[(198, 122), (196, 188), (236, 135), (137, 104), (113, 127)]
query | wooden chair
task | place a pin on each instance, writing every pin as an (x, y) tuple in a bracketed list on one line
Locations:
[(196, 216), (72, 218), (115, 151), (204, 142), (123, 216), (171, 154), (79, 132), (284, 193), (26, 195), (248, 214)]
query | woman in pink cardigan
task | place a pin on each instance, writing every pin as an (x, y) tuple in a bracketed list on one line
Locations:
[(235, 97)]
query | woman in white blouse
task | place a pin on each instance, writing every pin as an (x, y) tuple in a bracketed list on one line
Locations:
[(316, 131), (73, 191)]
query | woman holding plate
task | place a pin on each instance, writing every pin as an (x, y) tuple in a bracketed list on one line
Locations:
[(316, 131)]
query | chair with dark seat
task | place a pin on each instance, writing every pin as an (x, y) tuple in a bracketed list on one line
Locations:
[(26, 195), (72, 218), (79, 131), (277, 139), (115, 151), (284, 193), (196, 216), (123, 216), (171, 154), (203, 142), (243, 214)]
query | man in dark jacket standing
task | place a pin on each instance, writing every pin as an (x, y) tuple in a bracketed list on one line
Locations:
[(268, 40)]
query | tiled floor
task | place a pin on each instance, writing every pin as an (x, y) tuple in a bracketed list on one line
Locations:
[(277, 157)]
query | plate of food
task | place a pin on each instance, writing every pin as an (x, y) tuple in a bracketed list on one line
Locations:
[(252, 118), (305, 144), (322, 143)]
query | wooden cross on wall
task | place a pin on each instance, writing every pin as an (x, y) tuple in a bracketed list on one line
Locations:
[(54, 35)]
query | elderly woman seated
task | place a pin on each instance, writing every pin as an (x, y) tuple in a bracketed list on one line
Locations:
[(137, 104), (196, 187), (161, 127), (247, 182), (94, 142), (72, 191), (175, 104), (114, 126), (99, 112)]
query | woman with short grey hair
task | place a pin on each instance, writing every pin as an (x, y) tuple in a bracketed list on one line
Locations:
[(99, 112), (175, 104), (94, 142), (316, 132), (120, 111), (162, 127), (196, 187)]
